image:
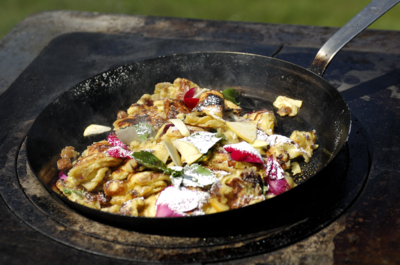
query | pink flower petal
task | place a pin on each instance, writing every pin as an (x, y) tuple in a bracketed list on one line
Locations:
[(114, 141), (164, 211), (275, 177), (175, 202), (244, 152), (277, 186), (274, 169), (62, 175), (119, 152)]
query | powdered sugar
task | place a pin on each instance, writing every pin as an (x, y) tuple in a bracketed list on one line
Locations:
[(119, 149), (119, 152), (202, 140), (114, 141), (277, 139), (143, 128), (193, 175)]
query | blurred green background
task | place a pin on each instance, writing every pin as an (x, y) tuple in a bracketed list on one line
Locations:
[(304, 12)]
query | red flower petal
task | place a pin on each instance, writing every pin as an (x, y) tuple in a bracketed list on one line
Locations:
[(191, 102), (244, 152), (167, 127), (190, 93)]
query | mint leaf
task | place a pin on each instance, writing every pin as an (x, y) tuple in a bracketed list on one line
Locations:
[(149, 160), (231, 94), (196, 169), (69, 192), (173, 173), (206, 156)]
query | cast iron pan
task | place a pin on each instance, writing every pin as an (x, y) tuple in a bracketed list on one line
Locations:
[(260, 79)]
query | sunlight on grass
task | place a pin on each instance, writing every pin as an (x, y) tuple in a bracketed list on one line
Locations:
[(302, 12)]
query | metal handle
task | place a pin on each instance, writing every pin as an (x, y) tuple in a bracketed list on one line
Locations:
[(366, 17)]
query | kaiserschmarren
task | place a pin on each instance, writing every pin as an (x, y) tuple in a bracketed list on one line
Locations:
[(185, 150)]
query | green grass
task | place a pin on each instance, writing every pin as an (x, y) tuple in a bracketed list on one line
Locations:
[(303, 12)]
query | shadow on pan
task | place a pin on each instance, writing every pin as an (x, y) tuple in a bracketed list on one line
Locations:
[(260, 80)]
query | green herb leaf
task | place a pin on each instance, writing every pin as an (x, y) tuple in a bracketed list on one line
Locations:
[(196, 169), (173, 173), (231, 94), (79, 193), (69, 192), (150, 161), (206, 156)]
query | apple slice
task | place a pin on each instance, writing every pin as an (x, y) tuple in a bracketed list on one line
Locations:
[(160, 131), (127, 135), (172, 152), (95, 129), (161, 152), (259, 143), (181, 127), (189, 153), (245, 130)]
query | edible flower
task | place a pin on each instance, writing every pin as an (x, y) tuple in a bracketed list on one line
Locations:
[(118, 149), (119, 152), (243, 151), (277, 186), (176, 202), (114, 141), (62, 175), (275, 179), (190, 93), (274, 169), (190, 101)]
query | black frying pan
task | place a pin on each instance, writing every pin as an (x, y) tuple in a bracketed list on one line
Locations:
[(260, 79)]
